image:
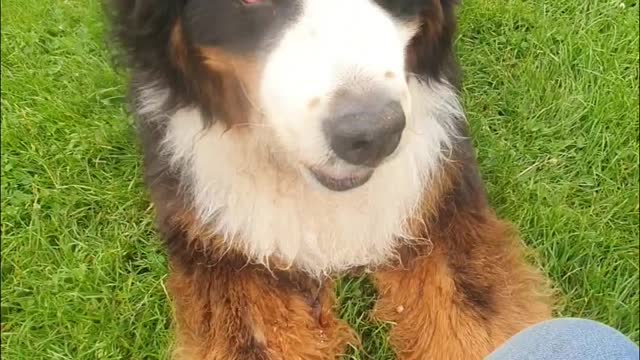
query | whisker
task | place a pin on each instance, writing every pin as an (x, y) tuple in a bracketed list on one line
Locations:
[(257, 108)]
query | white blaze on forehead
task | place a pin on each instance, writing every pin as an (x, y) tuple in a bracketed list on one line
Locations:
[(353, 33), (331, 41)]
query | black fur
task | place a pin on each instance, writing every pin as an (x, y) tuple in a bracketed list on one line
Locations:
[(141, 30), (234, 27), (402, 8), (431, 54)]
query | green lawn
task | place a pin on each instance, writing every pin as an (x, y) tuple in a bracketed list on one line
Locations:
[(551, 90)]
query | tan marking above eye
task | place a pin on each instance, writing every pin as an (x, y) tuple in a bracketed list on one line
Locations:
[(389, 75)]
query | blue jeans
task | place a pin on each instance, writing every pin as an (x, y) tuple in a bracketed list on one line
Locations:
[(567, 339)]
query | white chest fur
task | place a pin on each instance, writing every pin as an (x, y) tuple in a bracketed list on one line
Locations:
[(269, 209)]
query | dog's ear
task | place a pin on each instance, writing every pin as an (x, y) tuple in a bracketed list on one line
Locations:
[(142, 29), (430, 53), (149, 37)]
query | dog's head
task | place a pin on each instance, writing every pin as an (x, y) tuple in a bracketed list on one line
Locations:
[(329, 78)]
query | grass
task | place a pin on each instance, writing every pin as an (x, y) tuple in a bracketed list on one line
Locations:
[(551, 90)]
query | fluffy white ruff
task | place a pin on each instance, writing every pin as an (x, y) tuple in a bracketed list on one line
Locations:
[(255, 197)]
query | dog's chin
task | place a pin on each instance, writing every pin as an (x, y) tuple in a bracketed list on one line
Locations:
[(347, 180)]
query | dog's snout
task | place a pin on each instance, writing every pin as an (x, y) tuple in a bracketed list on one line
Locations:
[(367, 133)]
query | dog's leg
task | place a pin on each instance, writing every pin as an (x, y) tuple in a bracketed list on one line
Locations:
[(226, 312), (462, 296)]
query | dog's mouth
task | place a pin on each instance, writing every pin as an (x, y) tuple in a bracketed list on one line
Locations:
[(345, 182)]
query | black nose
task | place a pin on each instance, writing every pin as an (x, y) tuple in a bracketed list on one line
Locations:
[(366, 136)]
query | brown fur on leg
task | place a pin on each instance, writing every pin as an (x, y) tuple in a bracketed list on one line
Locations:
[(468, 291), (226, 308), (455, 309), (230, 310)]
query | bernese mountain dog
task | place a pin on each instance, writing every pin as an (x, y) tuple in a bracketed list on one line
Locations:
[(288, 142)]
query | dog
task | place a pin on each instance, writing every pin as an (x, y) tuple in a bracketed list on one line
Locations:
[(288, 142)]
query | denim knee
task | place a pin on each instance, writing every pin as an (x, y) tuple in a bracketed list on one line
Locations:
[(567, 339)]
